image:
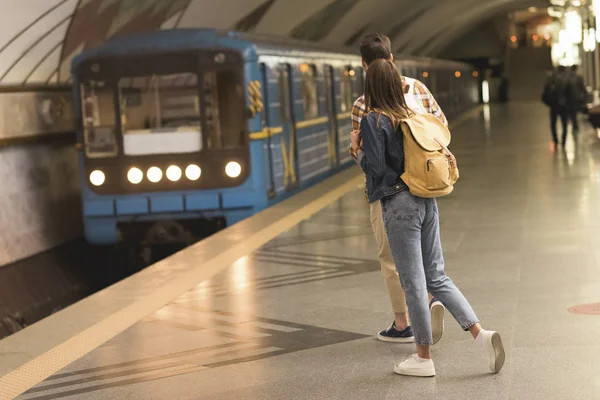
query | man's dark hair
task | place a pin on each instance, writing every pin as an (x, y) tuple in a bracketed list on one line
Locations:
[(375, 46)]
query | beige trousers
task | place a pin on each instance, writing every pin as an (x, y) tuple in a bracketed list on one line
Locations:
[(388, 268)]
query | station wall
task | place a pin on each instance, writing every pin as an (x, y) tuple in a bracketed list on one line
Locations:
[(39, 186)]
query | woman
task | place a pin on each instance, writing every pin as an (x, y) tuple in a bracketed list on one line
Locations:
[(412, 223)]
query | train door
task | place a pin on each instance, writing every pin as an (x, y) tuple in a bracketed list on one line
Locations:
[(312, 124), (332, 113), (267, 124), (288, 134)]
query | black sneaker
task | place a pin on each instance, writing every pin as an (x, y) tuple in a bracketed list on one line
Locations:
[(391, 334)]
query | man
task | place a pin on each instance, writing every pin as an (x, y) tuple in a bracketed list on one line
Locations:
[(419, 99), (555, 97)]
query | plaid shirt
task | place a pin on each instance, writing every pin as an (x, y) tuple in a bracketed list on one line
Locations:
[(419, 92)]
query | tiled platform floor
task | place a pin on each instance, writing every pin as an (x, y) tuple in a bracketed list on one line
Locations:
[(296, 319)]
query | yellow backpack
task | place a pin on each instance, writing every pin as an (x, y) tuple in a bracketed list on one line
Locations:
[(430, 169)]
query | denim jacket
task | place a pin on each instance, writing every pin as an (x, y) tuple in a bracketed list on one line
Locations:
[(382, 157)]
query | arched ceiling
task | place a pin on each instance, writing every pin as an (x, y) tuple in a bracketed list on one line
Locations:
[(38, 38)]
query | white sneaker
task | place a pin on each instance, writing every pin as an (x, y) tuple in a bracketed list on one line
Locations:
[(492, 348), (437, 320), (415, 366)]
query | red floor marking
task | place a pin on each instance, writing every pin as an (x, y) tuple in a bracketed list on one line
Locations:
[(586, 309)]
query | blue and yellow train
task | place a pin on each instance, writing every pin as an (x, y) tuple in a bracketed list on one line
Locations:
[(192, 125)]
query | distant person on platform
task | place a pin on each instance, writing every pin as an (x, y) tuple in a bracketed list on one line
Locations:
[(555, 97), (577, 94)]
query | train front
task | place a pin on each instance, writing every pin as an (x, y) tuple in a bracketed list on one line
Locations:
[(164, 143)]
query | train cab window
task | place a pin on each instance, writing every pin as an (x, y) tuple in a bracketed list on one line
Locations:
[(225, 109), (160, 114), (308, 89), (346, 98), (99, 122)]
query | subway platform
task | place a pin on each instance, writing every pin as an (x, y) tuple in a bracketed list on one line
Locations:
[(286, 304)]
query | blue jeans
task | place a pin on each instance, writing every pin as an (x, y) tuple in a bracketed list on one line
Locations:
[(413, 229)]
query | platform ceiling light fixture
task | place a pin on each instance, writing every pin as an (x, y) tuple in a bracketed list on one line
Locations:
[(564, 52), (589, 41), (596, 9), (233, 169), (135, 175), (97, 178), (485, 92), (554, 13), (574, 27)]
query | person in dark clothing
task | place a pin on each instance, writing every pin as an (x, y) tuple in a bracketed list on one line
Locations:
[(555, 97), (576, 97)]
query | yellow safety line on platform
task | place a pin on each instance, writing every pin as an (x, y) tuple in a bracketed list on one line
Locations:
[(43, 366)]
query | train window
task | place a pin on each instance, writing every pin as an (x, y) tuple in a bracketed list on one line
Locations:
[(360, 79), (160, 114), (356, 83), (263, 113), (284, 92), (99, 122), (346, 98), (309, 91), (225, 109)]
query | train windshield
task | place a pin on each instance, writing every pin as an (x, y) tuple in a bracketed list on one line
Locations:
[(160, 114), (99, 122), (164, 113)]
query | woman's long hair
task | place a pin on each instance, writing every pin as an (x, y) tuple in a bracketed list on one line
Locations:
[(384, 92)]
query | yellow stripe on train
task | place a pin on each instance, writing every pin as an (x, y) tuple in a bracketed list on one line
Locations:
[(266, 132), (311, 122)]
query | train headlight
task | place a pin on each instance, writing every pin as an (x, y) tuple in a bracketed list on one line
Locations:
[(233, 169), (173, 173), (97, 178), (154, 174), (193, 172), (135, 175)]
